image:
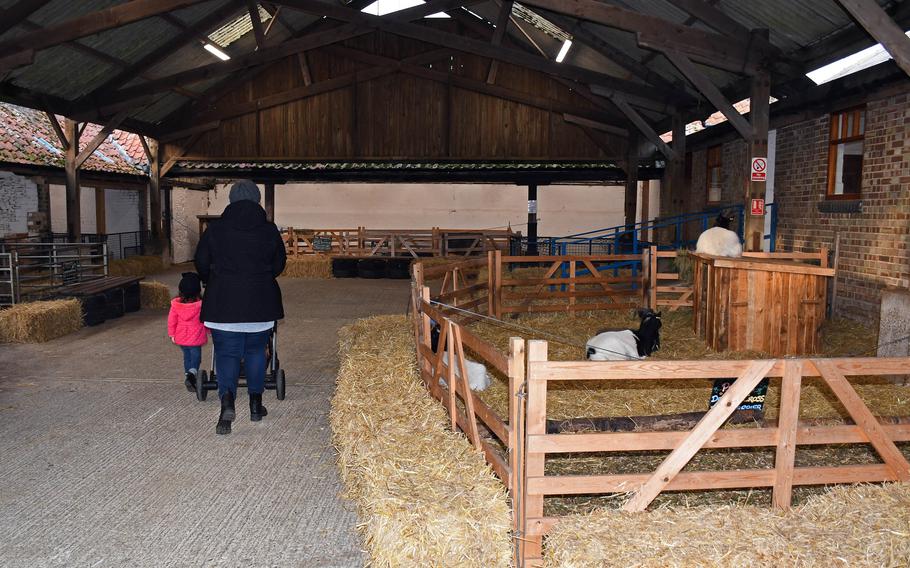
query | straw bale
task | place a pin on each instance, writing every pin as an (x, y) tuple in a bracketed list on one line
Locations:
[(425, 496), (309, 267), (683, 264), (154, 295), (845, 526), (37, 322), (136, 266)]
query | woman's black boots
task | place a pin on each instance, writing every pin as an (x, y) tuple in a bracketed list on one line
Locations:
[(227, 414), (257, 411)]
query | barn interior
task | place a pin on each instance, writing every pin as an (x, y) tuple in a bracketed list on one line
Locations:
[(544, 168)]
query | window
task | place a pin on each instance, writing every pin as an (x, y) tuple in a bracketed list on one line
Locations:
[(845, 154), (715, 183)]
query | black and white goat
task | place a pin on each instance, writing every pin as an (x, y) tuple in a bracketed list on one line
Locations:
[(478, 377), (627, 344), (719, 240)]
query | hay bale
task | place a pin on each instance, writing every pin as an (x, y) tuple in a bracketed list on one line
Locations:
[(311, 267), (846, 526), (154, 295), (136, 266), (37, 322), (425, 496), (683, 263)]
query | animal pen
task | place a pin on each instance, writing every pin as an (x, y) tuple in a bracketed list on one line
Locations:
[(519, 441)]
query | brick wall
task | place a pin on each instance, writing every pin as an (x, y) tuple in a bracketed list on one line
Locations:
[(18, 198), (873, 245)]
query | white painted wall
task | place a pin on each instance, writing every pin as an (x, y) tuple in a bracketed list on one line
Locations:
[(185, 206), (86, 209), (18, 198), (562, 209)]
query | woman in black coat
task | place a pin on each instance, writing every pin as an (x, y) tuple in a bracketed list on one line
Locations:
[(238, 258)]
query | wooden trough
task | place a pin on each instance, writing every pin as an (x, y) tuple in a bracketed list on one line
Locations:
[(768, 303)]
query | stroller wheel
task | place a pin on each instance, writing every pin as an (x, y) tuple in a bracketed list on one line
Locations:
[(201, 391), (279, 384)]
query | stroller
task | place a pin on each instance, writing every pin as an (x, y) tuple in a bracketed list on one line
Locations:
[(274, 374)]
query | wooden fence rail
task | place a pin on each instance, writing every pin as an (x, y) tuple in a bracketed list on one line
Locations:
[(361, 241)]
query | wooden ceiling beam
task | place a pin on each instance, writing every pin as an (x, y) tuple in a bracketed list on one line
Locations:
[(651, 29), (92, 23), (881, 27), (643, 126), (258, 31), (711, 92), (211, 21), (18, 12), (99, 138), (58, 130), (595, 125), (502, 25)]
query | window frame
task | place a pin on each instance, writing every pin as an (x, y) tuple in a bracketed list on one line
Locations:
[(857, 134), (709, 166)]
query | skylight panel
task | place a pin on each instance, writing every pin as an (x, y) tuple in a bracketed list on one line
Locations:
[(854, 63), (383, 7)]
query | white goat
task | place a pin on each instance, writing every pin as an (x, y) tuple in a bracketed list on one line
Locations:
[(478, 376), (720, 240)]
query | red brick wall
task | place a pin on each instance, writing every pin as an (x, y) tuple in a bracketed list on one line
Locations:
[(873, 243)]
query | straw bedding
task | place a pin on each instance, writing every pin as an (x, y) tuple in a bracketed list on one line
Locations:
[(425, 497), (136, 266), (37, 322), (311, 267), (154, 295), (846, 526)]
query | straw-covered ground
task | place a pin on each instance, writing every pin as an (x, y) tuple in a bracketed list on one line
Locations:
[(864, 526), (425, 496), (37, 322), (154, 295), (308, 267)]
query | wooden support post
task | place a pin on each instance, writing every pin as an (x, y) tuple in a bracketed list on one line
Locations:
[(270, 202), (758, 148), (73, 191), (534, 462), (645, 235), (631, 195), (100, 212), (676, 177), (516, 437), (653, 281), (497, 260), (154, 191)]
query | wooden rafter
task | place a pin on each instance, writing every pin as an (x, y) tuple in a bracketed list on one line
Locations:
[(711, 92), (181, 152), (18, 12), (880, 26), (642, 125), (502, 25), (595, 125), (258, 31), (99, 138), (58, 130), (92, 23)]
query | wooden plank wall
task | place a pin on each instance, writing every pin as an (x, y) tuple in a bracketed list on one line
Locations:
[(401, 116)]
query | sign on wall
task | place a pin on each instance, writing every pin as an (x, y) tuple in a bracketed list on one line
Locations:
[(758, 207), (759, 169)]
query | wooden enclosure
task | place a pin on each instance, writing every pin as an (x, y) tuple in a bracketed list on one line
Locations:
[(396, 242), (666, 289), (766, 302), (517, 446)]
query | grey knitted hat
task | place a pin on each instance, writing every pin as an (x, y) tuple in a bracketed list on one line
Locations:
[(244, 189)]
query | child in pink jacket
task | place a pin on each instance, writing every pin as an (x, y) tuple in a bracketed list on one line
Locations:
[(185, 328)]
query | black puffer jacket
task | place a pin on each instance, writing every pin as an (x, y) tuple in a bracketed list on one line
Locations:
[(238, 257)]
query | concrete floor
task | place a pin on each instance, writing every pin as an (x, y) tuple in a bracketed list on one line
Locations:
[(107, 460)]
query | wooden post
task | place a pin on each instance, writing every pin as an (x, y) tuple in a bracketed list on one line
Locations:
[(758, 148), (497, 262), (155, 220), (786, 438), (100, 211), (677, 169), (572, 288), (653, 281), (73, 191), (534, 463), (645, 235), (516, 437), (270, 202), (491, 284)]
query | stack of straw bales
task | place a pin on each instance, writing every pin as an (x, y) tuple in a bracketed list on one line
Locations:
[(425, 497), (37, 322), (154, 295), (846, 526), (136, 266), (309, 267)]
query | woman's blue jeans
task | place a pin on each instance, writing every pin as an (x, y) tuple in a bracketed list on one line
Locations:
[(230, 348)]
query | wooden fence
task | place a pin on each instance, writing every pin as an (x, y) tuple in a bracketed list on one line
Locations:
[(683, 445), (395, 242), (665, 288)]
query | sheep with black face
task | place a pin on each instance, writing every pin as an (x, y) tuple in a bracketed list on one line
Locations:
[(627, 344)]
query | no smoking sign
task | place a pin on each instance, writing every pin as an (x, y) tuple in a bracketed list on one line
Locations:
[(759, 169)]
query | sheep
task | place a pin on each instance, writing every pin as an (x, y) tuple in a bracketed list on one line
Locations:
[(478, 376), (627, 344), (720, 240)]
